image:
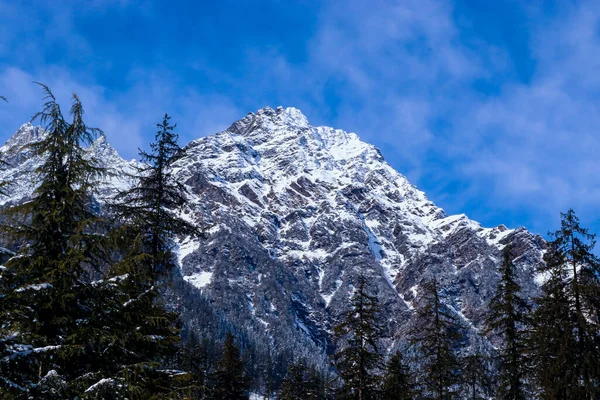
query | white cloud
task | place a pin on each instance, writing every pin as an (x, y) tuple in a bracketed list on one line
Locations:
[(129, 119), (399, 73)]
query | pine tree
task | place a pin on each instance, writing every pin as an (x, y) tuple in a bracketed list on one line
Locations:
[(436, 336), (45, 298), (566, 323), (398, 383), (508, 317), (230, 380), (359, 359)]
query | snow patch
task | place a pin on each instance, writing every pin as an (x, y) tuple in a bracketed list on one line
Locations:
[(199, 280)]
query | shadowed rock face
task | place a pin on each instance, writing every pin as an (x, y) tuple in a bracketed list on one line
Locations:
[(298, 212)]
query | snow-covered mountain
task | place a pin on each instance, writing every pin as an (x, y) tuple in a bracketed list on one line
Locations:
[(297, 213)]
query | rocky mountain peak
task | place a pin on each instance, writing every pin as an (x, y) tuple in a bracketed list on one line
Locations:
[(105, 153), (26, 134), (297, 212)]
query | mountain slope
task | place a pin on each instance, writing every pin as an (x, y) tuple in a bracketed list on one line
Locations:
[(297, 213)]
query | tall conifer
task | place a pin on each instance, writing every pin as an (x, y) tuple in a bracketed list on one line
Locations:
[(151, 206), (45, 298), (566, 323), (230, 380), (398, 382), (145, 332), (357, 358), (436, 336), (508, 317)]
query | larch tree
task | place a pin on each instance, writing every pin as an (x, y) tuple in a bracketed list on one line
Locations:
[(358, 359)]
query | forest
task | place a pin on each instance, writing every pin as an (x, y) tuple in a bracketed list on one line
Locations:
[(86, 313)]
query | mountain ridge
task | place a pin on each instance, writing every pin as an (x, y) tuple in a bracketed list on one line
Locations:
[(297, 214)]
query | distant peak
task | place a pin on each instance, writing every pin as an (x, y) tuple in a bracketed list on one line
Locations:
[(101, 147), (270, 118), (26, 134), (296, 116)]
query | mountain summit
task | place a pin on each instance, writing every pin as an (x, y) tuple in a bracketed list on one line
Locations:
[(297, 214)]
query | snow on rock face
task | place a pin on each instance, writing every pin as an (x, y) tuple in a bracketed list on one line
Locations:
[(297, 212), (21, 165), (323, 207)]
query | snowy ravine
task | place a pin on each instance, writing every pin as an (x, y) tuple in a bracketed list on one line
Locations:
[(296, 213)]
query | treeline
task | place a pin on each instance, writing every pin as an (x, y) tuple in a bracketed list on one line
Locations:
[(546, 349), (83, 312)]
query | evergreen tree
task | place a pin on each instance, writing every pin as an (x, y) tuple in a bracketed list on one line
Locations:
[(359, 359), (436, 335), (230, 380), (302, 383), (45, 299), (294, 384), (398, 383), (508, 317), (553, 341), (192, 357), (76, 337), (151, 206), (476, 377), (145, 332), (566, 323)]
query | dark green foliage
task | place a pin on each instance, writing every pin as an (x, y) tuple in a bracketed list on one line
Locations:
[(145, 333), (553, 342), (302, 383), (151, 206), (508, 317), (398, 382), (436, 335), (358, 358), (193, 358), (63, 334), (230, 380), (566, 326), (476, 377), (132, 335), (45, 298)]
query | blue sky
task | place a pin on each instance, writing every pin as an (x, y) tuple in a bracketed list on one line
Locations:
[(491, 108)]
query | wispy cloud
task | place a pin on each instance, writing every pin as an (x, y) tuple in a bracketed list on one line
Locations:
[(449, 105)]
